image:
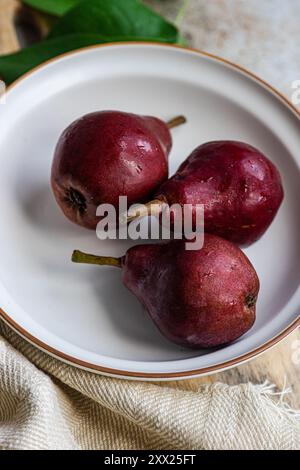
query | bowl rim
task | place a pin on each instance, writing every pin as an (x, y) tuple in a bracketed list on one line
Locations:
[(145, 375)]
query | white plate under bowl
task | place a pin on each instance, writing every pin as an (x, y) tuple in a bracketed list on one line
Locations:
[(83, 314)]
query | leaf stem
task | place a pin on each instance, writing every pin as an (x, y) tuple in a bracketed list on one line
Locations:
[(181, 13)]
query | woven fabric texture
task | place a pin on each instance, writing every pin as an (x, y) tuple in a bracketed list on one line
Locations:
[(46, 404)]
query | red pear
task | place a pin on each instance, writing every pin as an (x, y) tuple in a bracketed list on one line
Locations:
[(198, 299), (240, 188), (109, 154)]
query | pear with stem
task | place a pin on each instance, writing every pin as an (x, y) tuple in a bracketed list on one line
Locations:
[(198, 299)]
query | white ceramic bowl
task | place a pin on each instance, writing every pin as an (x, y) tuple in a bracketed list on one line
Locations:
[(84, 315)]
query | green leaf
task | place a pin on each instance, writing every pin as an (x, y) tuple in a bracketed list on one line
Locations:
[(88, 22), (14, 65), (52, 7), (115, 18)]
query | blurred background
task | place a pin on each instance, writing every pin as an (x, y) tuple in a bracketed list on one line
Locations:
[(262, 35)]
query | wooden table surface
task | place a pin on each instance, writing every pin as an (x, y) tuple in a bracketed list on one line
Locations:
[(280, 365)]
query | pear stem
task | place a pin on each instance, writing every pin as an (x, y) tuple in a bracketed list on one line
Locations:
[(154, 207), (85, 258), (176, 121)]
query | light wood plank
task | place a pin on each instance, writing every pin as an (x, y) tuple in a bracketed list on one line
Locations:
[(8, 37)]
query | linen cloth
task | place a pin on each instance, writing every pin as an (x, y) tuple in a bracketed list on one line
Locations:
[(46, 404)]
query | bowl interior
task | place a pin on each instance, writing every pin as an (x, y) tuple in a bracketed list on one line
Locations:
[(85, 311)]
